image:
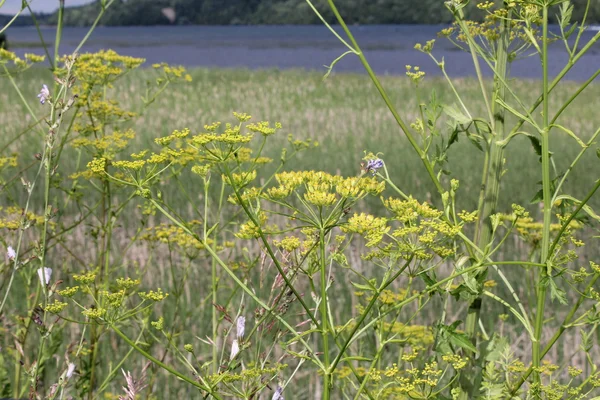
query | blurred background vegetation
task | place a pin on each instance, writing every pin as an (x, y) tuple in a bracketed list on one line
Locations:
[(250, 12)]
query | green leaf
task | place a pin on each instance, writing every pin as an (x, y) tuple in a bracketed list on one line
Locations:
[(535, 142), (368, 288), (330, 67), (532, 39), (572, 134), (462, 292), (454, 139), (539, 196), (474, 139), (586, 208), (457, 115), (557, 293), (461, 340), (496, 347), (566, 11)]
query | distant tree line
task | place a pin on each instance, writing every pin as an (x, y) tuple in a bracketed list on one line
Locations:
[(23, 20), (252, 12)]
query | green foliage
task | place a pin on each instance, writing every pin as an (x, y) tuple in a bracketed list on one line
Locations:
[(251, 12)]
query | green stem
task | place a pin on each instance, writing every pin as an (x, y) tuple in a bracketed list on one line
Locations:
[(272, 256), (23, 100), (61, 11), (558, 333), (26, 334), (575, 161), (414, 297), (572, 216), (558, 78), (114, 369), (233, 276), (104, 272), (387, 100), (93, 27), (352, 50), (575, 95), (493, 169), (48, 161), (473, 50), (164, 366), (366, 312), (324, 318), (371, 368), (26, 4), (214, 317), (547, 195), (37, 28)]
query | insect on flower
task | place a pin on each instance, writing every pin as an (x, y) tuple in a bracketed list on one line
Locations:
[(11, 253), (44, 94), (240, 327), (44, 274), (373, 165)]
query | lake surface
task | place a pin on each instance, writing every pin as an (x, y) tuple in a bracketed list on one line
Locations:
[(387, 47)]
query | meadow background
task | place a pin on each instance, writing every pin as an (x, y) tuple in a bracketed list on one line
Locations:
[(344, 113)]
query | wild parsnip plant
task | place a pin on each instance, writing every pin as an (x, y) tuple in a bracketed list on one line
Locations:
[(204, 265)]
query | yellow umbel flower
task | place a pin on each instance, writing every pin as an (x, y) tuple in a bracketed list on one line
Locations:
[(372, 228), (55, 307), (240, 180)]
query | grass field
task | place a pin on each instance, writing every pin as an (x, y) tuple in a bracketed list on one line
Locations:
[(346, 116)]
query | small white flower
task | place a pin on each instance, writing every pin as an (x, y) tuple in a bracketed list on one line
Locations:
[(44, 274), (70, 370), (11, 253), (241, 327), (235, 349), (278, 395), (44, 94)]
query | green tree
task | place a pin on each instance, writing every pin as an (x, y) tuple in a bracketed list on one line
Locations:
[(225, 12)]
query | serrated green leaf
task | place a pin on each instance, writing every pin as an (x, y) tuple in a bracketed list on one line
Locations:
[(369, 288), (586, 208), (535, 143), (461, 340), (474, 140), (454, 139), (514, 112), (457, 115), (572, 134), (557, 293)]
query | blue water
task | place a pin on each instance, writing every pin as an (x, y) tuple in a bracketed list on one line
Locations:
[(388, 48)]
